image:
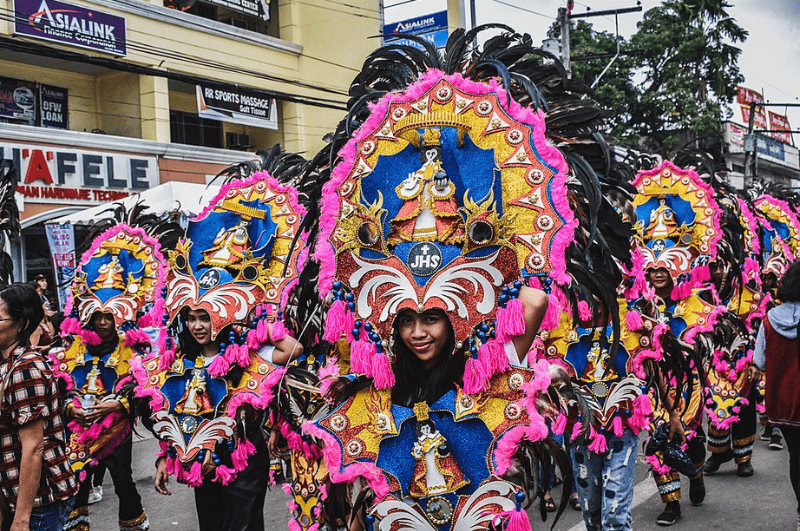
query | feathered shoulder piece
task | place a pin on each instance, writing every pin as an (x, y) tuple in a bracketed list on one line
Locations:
[(679, 222), (121, 273), (780, 240)]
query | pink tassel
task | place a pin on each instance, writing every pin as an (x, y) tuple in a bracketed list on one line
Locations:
[(172, 466), (382, 372), (224, 475), (510, 320), (634, 320), (336, 322), (90, 338), (361, 354), (82, 476), (277, 332), (700, 274), (243, 356), (515, 520), (70, 325), (262, 331), (584, 312), (219, 367), (552, 315), (560, 424), (641, 414), (493, 357), (475, 378), (195, 476), (252, 340), (599, 444), (166, 360), (242, 452), (136, 337), (616, 425)]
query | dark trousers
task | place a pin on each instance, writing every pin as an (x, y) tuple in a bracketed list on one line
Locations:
[(792, 437), (131, 512), (669, 485), (737, 441), (239, 506)]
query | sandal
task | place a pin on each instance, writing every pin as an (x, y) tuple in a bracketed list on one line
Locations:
[(575, 503), (549, 505)]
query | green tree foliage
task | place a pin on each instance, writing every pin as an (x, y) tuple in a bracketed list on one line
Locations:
[(680, 75)]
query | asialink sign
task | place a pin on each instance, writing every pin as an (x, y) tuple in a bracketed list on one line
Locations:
[(416, 26), (70, 24)]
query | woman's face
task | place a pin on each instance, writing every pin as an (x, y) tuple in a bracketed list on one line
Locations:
[(425, 334), (9, 329), (199, 323)]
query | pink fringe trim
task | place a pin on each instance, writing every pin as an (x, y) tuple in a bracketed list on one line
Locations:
[(475, 378), (338, 321), (658, 468), (382, 372), (219, 367), (510, 320), (634, 320), (277, 331), (493, 357), (552, 314)]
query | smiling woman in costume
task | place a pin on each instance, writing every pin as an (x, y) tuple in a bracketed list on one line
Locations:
[(221, 350)]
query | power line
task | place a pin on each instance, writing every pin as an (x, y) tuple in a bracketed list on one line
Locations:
[(524, 9)]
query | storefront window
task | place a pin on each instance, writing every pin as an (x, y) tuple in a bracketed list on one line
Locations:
[(190, 129)]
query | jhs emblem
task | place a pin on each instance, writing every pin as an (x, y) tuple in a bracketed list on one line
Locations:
[(424, 259), (658, 247), (210, 278)]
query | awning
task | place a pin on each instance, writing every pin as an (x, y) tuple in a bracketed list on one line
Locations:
[(187, 198)]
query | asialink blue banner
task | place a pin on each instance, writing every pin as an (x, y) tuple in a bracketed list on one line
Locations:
[(64, 23)]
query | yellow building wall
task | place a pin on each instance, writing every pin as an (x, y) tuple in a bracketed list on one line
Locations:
[(82, 101), (333, 38)]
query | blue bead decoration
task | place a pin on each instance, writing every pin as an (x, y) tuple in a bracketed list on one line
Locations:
[(484, 327), (349, 297), (356, 332), (368, 326), (503, 299), (520, 496), (517, 284), (357, 324), (337, 285), (351, 306), (514, 292)]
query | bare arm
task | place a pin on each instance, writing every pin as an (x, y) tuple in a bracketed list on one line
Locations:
[(534, 302), (31, 437), (286, 350)]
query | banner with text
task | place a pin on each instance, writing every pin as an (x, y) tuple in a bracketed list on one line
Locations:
[(70, 24), (780, 122), (237, 106), (18, 100), (52, 174), (53, 107), (61, 239)]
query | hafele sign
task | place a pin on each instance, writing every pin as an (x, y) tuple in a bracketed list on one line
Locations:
[(57, 175), (237, 106), (70, 24)]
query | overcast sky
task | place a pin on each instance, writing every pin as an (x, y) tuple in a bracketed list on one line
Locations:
[(770, 59)]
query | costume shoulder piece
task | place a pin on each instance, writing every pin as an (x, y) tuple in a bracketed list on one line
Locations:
[(120, 274), (679, 222), (444, 197), (237, 262), (781, 234)]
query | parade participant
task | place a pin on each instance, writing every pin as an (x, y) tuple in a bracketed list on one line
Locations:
[(439, 326), (35, 476), (777, 353), (116, 282), (677, 268), (220, 349), (237, 505)]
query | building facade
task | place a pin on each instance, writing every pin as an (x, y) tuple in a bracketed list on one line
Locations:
[(100, 99)]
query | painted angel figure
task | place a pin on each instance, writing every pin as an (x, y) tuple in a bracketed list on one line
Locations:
[(435, 470), (110, 276), (662, 221), (195, 401), (229, 248), (429, 211), (597, 359)]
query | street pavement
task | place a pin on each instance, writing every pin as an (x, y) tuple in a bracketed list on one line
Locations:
[(762, 502)]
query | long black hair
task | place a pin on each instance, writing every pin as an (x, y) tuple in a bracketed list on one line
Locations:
[(24, 307), (414, 383), (789, 286), (191, 349)]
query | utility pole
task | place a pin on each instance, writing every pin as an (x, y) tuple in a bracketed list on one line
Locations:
[(616, 13), (750, 148), (563, 20)]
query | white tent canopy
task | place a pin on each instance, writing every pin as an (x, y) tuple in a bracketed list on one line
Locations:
[(188, 198)]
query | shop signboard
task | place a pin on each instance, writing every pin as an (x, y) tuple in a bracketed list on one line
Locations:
[(237, 106), (52, 174), (70, 24), (415, 26), (61, 239), (53, 106), (778, 123), (18, 100), (251, 8)]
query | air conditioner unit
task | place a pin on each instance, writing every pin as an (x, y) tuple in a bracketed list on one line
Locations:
[(237, 141)]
